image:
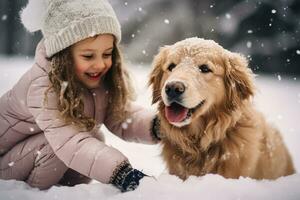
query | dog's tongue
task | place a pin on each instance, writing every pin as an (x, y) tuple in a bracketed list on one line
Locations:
[(175, 112)]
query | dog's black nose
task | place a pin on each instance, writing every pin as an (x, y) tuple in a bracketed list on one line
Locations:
[(174, 89)]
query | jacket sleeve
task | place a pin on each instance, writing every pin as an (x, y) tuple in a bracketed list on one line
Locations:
[(78, 149), (137, 127)]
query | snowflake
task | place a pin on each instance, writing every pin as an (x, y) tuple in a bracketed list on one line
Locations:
[(228, 16), (124, 125), (298, 52), (249, 44), (126, 3), (129, 120), (31, 129), (140, 9), (132, 35), (144, 52), (11, 164), (167, 21), (4, 17), (250, 31), (273, 11), (279, 77)]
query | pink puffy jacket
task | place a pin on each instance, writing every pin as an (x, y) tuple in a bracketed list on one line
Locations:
[(22, 115)]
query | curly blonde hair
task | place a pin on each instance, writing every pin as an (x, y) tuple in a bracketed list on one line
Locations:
[(69, 89)]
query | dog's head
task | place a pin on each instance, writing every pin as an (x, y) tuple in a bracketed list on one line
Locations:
[(195, 76)]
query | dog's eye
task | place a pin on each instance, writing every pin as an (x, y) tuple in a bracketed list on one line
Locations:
[(204, 69), (171, 67)]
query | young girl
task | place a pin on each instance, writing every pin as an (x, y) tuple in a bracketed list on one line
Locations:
[(49, 120)]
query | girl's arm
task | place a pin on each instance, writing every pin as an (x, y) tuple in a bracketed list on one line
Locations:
[(138, 127), (79, 150)]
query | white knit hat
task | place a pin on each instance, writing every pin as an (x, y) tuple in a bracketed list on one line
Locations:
[(65, 22)]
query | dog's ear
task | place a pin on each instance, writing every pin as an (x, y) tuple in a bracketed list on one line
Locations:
[(238, 79), (157, 73)]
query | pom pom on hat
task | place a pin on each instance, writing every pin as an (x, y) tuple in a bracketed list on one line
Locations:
[(32, 16)]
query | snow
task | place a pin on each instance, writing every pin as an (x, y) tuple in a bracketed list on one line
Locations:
[(166, 21), (4, 17), (279, 100)]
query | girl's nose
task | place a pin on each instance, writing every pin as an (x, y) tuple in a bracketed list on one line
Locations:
[(99, 64)]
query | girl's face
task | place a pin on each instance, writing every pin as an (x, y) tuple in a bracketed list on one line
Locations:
[(92, 59)]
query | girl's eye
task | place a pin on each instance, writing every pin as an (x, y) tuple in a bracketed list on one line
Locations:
[(171, 66), (204, 69), (87, 56), (107, 55)]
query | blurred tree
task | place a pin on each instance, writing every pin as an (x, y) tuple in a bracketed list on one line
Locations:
[(14, 39), (266, 31)]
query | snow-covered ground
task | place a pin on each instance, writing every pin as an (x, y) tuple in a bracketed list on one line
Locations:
[(278, 97)]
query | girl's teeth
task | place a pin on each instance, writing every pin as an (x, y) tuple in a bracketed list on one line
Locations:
[(94, 74)]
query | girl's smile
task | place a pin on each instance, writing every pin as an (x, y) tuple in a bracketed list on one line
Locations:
[(92, 59), (94, 76)]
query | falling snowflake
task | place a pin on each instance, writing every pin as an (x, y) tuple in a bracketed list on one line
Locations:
[(126, 3), (279, 77), (132, 35), (298, 52), (144, 52), (228, 16), (211, 6), (31, 129), (4, 17), (124, 125), (129, 120), (288, 60), (250, 31), (167, 21), (273, 11), (249, 44), (212, 30), (140, 9), (11, 164), (94, 94)]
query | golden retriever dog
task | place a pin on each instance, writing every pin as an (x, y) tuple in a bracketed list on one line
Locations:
[(208, 123)]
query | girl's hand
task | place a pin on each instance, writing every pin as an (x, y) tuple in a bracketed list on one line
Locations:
[(126, 178)]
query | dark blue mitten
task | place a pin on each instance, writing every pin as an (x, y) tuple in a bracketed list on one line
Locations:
[(126, 178)]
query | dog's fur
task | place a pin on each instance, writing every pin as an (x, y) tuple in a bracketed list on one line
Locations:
[(225, 135)]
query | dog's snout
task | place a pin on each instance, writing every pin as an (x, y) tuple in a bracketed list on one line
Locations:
[(174, 89)]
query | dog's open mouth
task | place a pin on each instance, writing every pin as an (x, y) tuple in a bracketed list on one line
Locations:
[(176, 113)]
